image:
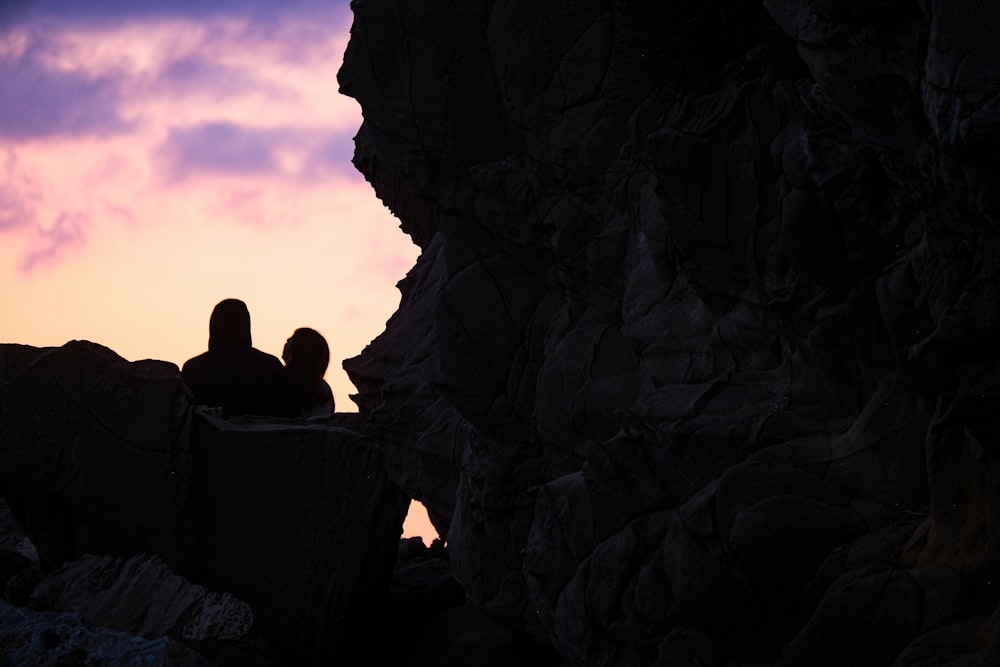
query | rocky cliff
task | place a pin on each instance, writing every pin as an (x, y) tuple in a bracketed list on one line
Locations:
[(698, 364)]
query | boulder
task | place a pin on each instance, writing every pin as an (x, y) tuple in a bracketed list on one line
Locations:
[(96, 453)]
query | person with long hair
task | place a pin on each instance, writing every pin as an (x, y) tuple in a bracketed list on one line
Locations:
[(233, 374), (306, 357)]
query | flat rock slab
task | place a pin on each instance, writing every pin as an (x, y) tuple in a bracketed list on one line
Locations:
[(302, 522)]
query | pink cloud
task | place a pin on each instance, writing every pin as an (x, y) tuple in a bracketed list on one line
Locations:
[(332, 155), (226, 148), (217, 146), (17, 197), (197, 73), (69, 231), (233, 104), (393, 266), (388, 261)]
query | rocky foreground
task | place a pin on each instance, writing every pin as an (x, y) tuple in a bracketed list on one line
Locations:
[(137, 528), (128, 493)]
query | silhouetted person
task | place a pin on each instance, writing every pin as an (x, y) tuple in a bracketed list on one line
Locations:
[(233, 374), (306, 356)]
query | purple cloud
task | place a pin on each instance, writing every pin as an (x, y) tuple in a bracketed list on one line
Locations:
[(14, 210), (10, 11), (223, 147), (218, 147), (17, 200), (333, 155), (196, 73), (68, 231), (38, 101), (41, 99), (104, 12)]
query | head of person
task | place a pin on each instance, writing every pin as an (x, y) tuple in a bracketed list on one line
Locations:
[(306, 355), (229, 326)]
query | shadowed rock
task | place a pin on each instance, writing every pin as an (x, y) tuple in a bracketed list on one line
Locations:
[(96, 452), (140, 595), (300, 521), (54, 639), (698, 362), (295, 518)]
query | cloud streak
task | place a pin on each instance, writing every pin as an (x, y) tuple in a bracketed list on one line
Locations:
[(332, 156), (104, 12), (68, 231), (18, 200), (40, 100), (226, 148), (220, 147), (195, 74)]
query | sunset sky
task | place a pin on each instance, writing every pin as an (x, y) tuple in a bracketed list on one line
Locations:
[(156, 158)]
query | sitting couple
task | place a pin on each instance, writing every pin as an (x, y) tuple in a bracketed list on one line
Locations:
[(242, 380)]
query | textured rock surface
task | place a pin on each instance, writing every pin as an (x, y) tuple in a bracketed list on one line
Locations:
[(699, 362), (57, 639), (101, 456), (433, 624), (75, 433), (301, 521), (140, 595)]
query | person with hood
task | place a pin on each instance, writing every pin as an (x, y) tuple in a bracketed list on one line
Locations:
[(306, 357), (233, 374)]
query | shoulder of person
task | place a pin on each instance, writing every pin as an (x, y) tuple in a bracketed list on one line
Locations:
[(194, 362), (264, 357)]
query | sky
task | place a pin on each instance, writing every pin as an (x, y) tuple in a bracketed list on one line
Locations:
[(158, 157)]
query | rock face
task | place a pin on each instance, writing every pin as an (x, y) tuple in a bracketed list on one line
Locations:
[(80, 428), (140, 595), (302, 522), (433, 624), (699, 362), (295, 518), (56, 639)]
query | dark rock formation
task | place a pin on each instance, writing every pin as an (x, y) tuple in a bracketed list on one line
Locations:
[(300, 521), (295, 518), (96, 452), (699, 362), (57, 639), (140, 595), (434, 625)]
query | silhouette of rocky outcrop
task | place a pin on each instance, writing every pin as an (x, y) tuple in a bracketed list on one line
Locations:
[(699, 362), (289, 529)]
